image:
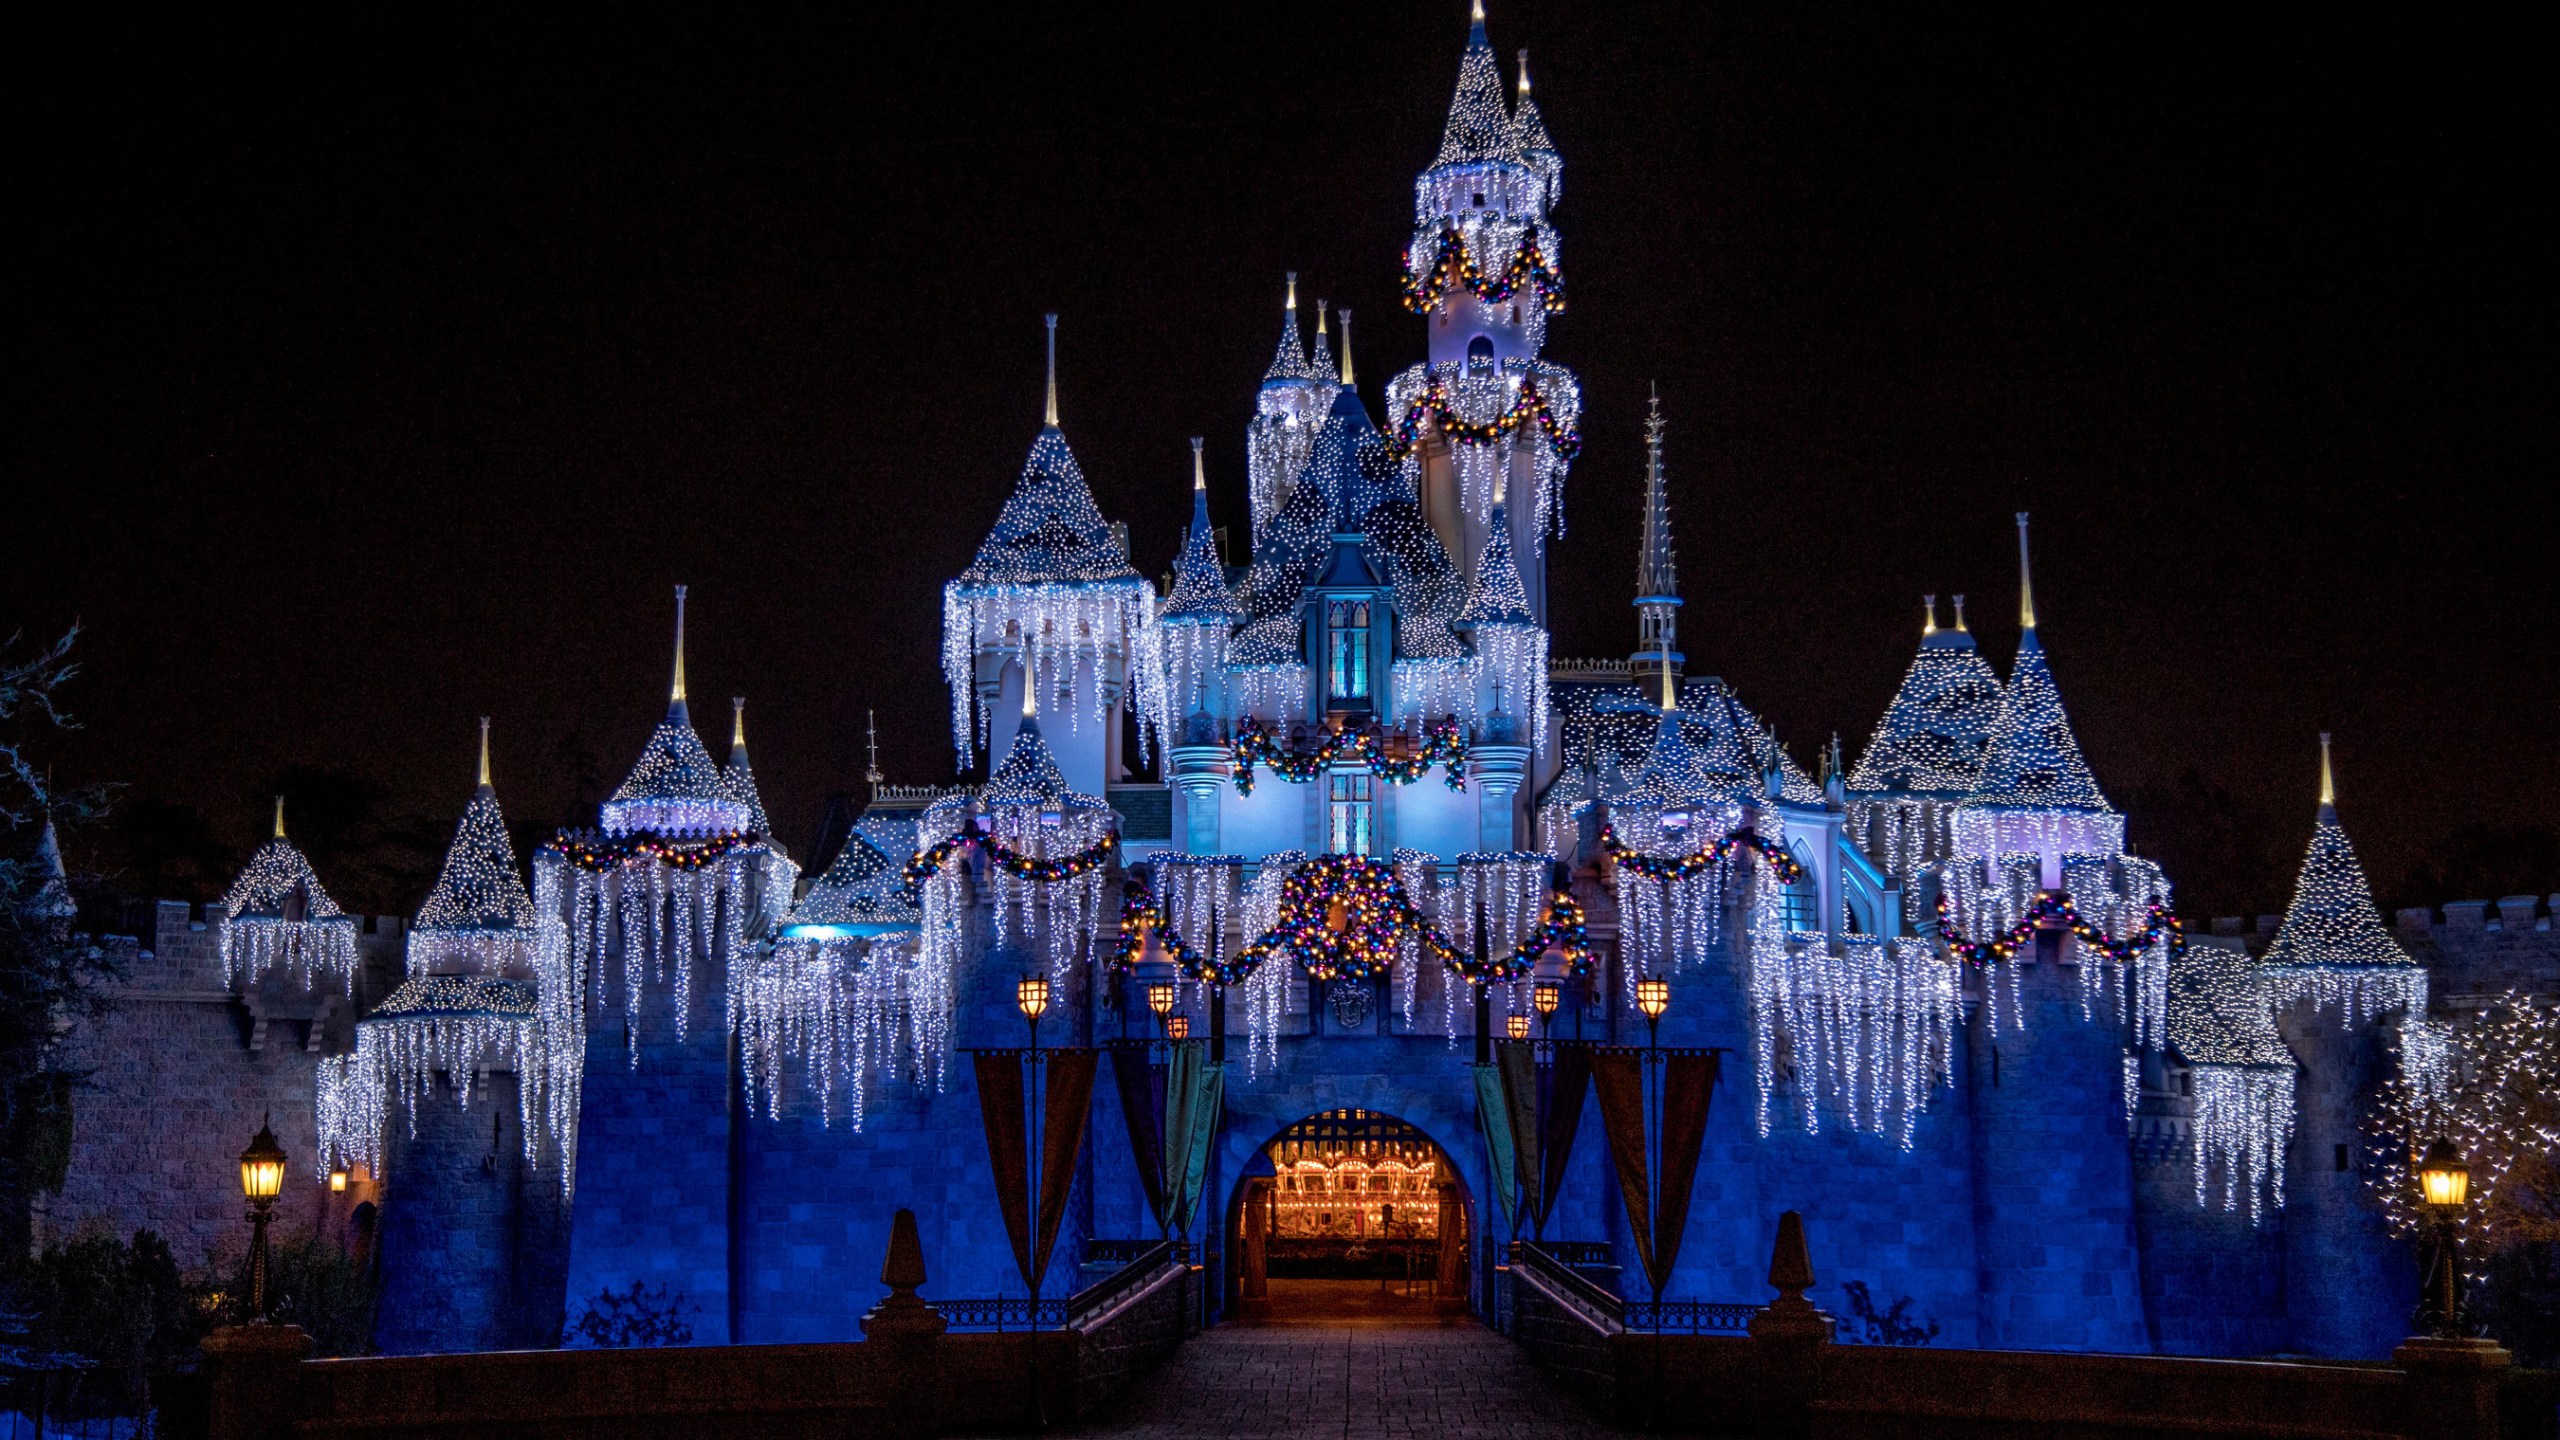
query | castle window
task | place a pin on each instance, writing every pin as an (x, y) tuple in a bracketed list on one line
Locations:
[(1348, 807), (1346, 649), (1480, 356), (1803, 899)]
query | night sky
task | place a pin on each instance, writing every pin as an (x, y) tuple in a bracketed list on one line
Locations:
[(375, 379)]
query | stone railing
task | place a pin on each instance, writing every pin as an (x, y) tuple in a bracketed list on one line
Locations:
[(1785, 1375), (908, 1377)]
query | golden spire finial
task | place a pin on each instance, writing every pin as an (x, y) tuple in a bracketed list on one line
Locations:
[(2328, 782), (1524, 74), (1475, 11), (737, 720), (1293, 289), (1053, 372), (1320, 330), (676, 695), (2026, 578), (871, 729), (1199, 468), (1030, 695), (1960, 615), (1930, 625), (279, 817), (1346, 346), (484, 752)]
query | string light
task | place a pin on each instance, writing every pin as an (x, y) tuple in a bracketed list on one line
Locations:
[(2484, 1081), (2332, 949), (1349, 745), (2218, 1022), (277, 917)]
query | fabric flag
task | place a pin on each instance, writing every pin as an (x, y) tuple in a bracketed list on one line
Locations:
[(1008, 1155), (1495, 1122), (1657, 1217), (1194, 1092), (1567, 1080), (1061, 1140), (1143, 1103), (1517, 1060)]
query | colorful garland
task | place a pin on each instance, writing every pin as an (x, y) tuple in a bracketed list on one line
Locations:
[(1528, 406), (602, 855), (1374, 919), (1682, 867), (1046, 870), (1140, 912), (1255, 744), (2055, 905), (1563, 930), (1453, 265)]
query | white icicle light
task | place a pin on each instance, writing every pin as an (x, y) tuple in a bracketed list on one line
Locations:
[(278, 918)]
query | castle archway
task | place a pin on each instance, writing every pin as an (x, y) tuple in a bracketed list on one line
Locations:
[(1349, 1216)]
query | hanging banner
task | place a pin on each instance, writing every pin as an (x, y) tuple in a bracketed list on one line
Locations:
[(1144, 1103), (1567, 1081), (1195, 1091), (1061, 1139), (1517, 1060), (1495, 1123), (1000, 1111), (1657, 1219)]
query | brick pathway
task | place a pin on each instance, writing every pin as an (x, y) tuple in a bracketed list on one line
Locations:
[(1453, 1383)]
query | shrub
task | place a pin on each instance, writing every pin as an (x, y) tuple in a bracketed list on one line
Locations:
[(638, 1319)]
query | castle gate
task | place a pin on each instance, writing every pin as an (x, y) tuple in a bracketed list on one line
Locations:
[(1349, 1216)]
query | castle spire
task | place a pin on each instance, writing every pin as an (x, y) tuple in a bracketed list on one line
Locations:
[(2026, 588), (1929, 626), (1320, 364), (279, 817), (2328, 782), (1657, 576), (738, 777), (737, 724), (1346, 346), (1289, 361), (1960, 616), (484, 754), (1536, 146), (1479, 127), (871, 772), (675, 695), (1052, 420)]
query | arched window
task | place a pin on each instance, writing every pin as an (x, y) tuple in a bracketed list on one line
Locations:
[(1803, 898), (1349, 806), (1346, 649), (1480, 356)]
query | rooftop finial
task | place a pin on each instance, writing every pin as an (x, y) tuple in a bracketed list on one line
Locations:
[(484, 752), (1670, 696), (1960, 613), (737, 720), (1524, 73), (676, 693), (1053, 372), (1293, 289), (1199, 469), (2328, 782), (1346, 345), (1930, 625), (279, 817), (871, 730), (1475, 18), (1030, 695), (2026, 578)]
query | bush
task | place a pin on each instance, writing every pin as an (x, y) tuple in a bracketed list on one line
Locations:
[(116, 1303), (640, 1319), (319, 1286), (1892, 1326)]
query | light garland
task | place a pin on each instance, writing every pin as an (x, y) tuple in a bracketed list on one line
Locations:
[(1438, 407), (1366, 746), (450, 1025), (278, 918), (1870, 1028), (1345, 917), (1451, 266)]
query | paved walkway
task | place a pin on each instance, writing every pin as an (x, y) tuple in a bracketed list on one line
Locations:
[(1458, 1382)]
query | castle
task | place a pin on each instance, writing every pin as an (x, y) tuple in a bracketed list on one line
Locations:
[(1390, 837)]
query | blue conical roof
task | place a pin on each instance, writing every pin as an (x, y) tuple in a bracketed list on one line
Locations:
[(1050, 532), (2034, 761), (1497, 597), (1479, 127), (2333, 921), (1029, 774), (1200, 594), (676, 788), (1935, 735), (859, 893), (479, 887)]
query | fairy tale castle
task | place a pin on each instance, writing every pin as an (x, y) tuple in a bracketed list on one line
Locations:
[(1338, 823)]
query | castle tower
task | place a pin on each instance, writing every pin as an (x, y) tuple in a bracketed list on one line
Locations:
[(1050, 605), (2338, 983), (2053, 1179), (278, 918), (1486, 413), (456, 1097), (1657, 656), (739, 775), (1191, 639), (1296, 392), (1925, 757)]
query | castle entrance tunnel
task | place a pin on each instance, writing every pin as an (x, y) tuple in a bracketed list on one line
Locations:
[(1349, 1216)]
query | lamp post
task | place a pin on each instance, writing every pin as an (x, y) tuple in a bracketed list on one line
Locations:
[(1177, 1027), (1031, 997), (1518, 1026), (261, 1180), (2446, 1180), (1545, 996), (1160, 996), (1653, 997)]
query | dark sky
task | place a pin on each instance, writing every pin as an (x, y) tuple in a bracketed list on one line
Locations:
[(372, 379)]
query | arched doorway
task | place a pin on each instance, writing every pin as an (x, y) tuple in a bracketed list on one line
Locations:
[(1349, 1217)]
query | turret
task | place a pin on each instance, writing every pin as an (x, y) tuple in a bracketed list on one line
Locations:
[(2332, 949), (1049, 605), (1657, 576), (278, 917), (1296, 392), (676, 788), (739, 775), (1925, 757)]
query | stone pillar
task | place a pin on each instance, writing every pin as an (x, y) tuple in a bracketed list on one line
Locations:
[(1199, 769), (2053, 1173), (254, 1373), (2348, 1286), (908, 1333), (1789, 1337), (1496, 770), (2452, 1391)]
